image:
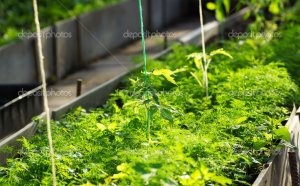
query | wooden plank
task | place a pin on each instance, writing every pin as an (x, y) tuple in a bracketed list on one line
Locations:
[(277, 171)]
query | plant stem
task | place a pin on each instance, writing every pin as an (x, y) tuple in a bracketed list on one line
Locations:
[(205, 78), (148, 125), (45, 98)]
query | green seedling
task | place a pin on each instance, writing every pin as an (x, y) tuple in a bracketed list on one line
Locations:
[(203, 66)]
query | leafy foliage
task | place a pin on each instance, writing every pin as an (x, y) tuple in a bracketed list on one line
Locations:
[(17, 16), (202, 62), (223, 139)]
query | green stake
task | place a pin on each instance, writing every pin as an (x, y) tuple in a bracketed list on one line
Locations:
[(148, 115)]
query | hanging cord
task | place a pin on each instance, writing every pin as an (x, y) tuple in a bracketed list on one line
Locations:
[(43, 76), (148, 114), (205, 78)]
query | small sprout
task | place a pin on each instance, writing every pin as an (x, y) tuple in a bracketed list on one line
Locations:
[(202, 63)]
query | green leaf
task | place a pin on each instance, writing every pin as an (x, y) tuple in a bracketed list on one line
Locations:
[(226, 5), (282, 133), (123, 167), (153, 109), (241, 120), (101, 126), (197, 59), (154, 95), (274, 8), (166, 114), (221, 180), (247, 15), (211, 6), (220, 51), (219, 11), (166, 73), (179, 70), (141, 168), (259, 144)]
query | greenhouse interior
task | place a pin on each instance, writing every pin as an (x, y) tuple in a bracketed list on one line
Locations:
[(150, 92)]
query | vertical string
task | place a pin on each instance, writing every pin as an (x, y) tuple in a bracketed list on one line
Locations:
[(43, 76), (203, 48), (148, 114)]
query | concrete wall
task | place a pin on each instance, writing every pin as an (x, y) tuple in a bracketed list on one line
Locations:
[(94, 35), (48, 46), (67, 47), (17, 63), (174, 10), (156, 12), (103, 30)]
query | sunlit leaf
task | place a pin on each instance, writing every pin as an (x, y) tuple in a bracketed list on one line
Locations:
[(211, 6), (112, 126), (274, 8), (101, 126), (220, 51), (123, 167), (241, 120), (221, 180), (219, 11), (119, 175), (166, 73), (283, 133), (226, 5), (259, 144)]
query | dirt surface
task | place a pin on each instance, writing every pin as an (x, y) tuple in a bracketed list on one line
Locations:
[(119, 61)]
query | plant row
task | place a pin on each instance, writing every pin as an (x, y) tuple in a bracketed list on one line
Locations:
[(193, 139)]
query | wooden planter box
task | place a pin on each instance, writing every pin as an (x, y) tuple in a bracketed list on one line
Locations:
[(277, 170), (92, 98), (16, 119)]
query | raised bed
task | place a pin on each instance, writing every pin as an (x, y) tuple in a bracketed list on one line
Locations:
[(102, 92), (21, 58), (19, 111), (277, 170), (16, 115)]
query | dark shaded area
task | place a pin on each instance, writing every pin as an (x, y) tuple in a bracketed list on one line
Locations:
[(10, 92), (17, 111)]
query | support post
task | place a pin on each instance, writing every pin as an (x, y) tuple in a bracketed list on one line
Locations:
[(78, 87)]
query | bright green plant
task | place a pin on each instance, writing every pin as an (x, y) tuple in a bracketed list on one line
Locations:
[(223, 139), (257, 8), (167, 73), (217, 6), (203, 66)]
